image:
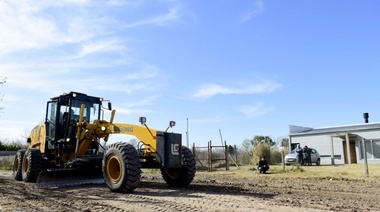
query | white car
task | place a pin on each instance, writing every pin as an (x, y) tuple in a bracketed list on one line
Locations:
[(291, 158)]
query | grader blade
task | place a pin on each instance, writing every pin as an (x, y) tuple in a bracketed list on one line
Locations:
[(68, 177)]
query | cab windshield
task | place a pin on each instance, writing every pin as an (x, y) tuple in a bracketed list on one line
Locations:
[(91, 111)]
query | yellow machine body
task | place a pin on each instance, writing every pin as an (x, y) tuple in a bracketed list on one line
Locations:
[(69, 141)]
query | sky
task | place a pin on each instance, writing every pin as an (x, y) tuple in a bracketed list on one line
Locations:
[(218, 67)]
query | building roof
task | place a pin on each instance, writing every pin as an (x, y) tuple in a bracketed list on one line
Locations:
[(298, 130)]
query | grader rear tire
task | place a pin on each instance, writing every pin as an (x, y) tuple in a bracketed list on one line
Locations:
[(17, 164), (183, 176), (121, 167), (31, 165)]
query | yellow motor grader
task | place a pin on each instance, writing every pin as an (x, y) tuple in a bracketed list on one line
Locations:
[(67, 150)]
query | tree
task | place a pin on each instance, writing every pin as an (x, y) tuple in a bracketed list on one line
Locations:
[(259, 151), (246, 150), (285, 142), (231, 150), (260, 139), (254, 148), (247, 145)]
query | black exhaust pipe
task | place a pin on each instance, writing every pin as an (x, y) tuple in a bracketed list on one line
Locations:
[(365, 116)]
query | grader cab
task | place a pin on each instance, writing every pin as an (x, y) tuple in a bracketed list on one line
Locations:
[(67, 150)]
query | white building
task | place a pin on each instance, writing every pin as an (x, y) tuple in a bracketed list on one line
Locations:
[(340, 144)]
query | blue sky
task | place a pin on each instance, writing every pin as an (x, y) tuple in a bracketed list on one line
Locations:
[(247, 67)]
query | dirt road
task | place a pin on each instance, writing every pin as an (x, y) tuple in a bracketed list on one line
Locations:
[(208, 192)]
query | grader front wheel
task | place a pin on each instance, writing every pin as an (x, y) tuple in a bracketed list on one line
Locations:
[(121, 167), (183, 176), (31, 165)]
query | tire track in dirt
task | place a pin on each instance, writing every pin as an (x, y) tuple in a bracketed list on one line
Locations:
[(216, 193)]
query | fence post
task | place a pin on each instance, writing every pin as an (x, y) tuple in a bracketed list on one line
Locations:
[(209, 156), (226, 155), (235, 153)]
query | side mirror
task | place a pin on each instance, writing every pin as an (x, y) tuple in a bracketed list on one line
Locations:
[(142, 120), (171, 124), (109, 106)]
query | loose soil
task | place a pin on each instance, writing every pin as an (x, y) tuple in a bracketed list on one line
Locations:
[(215, 191)]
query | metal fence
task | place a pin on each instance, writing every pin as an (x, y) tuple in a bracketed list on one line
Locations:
[(7, 153)]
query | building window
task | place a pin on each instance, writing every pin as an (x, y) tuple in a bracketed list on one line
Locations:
[(372, 149), (376, 149)]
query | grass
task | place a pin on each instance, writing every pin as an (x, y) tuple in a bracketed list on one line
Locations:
[(352, 171), (6, 163)]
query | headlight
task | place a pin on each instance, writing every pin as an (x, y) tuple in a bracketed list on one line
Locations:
[(103, 128)]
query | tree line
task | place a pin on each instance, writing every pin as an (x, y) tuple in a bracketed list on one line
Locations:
[(11, 146)]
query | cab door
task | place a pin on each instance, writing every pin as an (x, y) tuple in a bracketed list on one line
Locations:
[(51, 121)]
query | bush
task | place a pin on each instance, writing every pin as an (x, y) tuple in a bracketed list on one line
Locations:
[(275, 156), (272, 154), (11, 146), (259, 151), (6, 163)]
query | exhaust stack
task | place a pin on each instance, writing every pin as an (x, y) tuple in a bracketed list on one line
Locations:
[(365, 116)]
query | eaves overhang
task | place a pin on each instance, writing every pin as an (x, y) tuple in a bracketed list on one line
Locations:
[(339, 130)]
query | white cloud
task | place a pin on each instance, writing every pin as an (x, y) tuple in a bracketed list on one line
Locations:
[(172, 16), (129, 3), (14, 130), (27, 79), (50, 47), (48, 44), (100, 47), (255, 110), (48, 24), (255, 10), (263, 86), (20, 28)]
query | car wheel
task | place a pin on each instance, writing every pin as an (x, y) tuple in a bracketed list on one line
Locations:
[(318, 162)]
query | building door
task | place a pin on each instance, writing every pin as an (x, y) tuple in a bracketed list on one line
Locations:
[(345, 152), (293, 146), (352, 152)]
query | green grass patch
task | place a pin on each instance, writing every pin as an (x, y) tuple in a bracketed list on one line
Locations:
[(6, 163)]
